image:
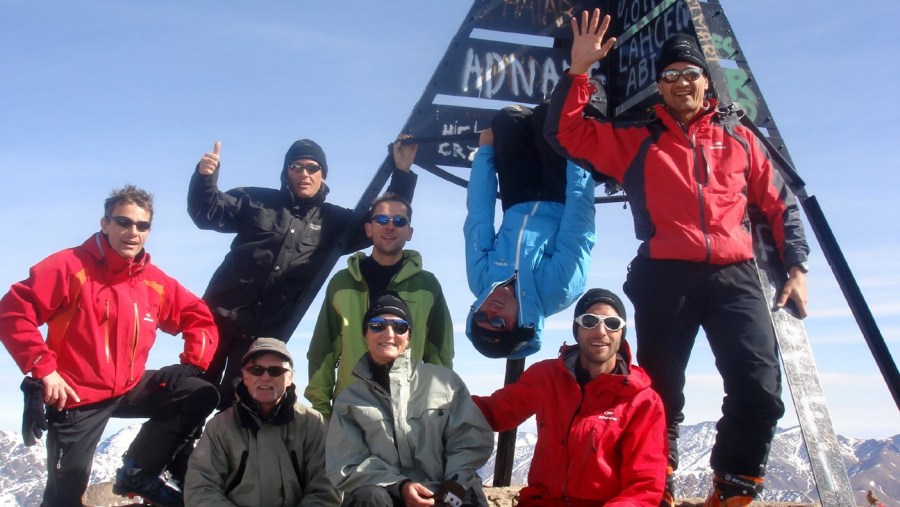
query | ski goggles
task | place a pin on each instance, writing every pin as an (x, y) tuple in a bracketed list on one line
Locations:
[(610, 322), (399, 221), (496, 322), (379, 325), (690, 73), (126, 223), (273, 371)]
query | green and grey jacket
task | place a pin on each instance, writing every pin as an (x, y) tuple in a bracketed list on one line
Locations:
[(337, 341), (245, 461), (426, 429)]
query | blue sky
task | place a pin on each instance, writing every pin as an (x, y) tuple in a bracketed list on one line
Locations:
[(98, 93)]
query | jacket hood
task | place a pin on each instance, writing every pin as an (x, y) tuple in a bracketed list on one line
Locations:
[(523, 341)]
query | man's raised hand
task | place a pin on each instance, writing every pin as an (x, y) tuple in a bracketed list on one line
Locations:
[(404, 154), (210, 161), (588, 46)]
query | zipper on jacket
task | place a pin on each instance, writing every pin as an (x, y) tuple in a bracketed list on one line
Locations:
[(106, 334), (518, 257), (698, 176), (134, 344)]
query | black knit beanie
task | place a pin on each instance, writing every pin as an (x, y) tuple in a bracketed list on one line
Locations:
[(594, 296), (680, 47), (390, 303), (305, 148)]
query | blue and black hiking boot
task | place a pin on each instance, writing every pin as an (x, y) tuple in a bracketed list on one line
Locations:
[(132, 481)]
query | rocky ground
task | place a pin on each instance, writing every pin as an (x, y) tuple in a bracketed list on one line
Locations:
[(504, 497), (101, 495)]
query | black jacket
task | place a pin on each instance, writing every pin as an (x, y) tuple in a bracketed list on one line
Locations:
[(281, 243)]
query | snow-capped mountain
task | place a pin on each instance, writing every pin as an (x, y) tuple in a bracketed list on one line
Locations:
[(871, 464)]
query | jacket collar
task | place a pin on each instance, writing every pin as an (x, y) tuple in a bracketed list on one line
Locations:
[(402, 367), (248, 411), (703, 117), (308, 202), (569, 355), (412, 264), (99, 248)]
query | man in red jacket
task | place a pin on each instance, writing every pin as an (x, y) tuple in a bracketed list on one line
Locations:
[(690, 173), (601, 429), (102, 303)]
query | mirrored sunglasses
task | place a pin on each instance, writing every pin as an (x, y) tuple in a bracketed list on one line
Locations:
[(610, 322), (310, 167), (273, 371), (378, 325), (690, 73), (399, 221), (496, 322), (126, 223)]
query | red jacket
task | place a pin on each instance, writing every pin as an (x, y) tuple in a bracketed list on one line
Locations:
[(604, 446), (688, 191), (102, 311)]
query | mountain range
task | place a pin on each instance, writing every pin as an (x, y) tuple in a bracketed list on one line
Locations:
[(871, 464)]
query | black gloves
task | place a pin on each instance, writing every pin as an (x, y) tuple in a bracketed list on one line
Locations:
[(169, 376), (34, 416)]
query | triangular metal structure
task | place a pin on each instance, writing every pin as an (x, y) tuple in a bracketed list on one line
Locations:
[(514, 51)]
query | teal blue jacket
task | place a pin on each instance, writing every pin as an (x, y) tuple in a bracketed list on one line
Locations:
[(545, 245)]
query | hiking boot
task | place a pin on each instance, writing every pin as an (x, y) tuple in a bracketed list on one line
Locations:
[(668, 499), (732, 490), (132, 481)]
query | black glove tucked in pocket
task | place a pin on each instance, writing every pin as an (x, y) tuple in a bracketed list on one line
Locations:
[(34, 415)]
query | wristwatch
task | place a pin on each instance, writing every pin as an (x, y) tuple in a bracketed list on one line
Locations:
[(802, 266)]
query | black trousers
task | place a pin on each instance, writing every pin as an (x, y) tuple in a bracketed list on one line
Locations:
[(377, 496), (73, 434), (528, 169), (371, 496), (225, 369), (672, 300)]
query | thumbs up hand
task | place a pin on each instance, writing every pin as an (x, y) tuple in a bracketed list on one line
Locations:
[(210, 161)]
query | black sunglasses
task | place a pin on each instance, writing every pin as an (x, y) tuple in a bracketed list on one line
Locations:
[(689, 73), (496, 322), (126, 223), (610, 322), (399, 221), (310, 167), (378, 325), (273, 371)]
